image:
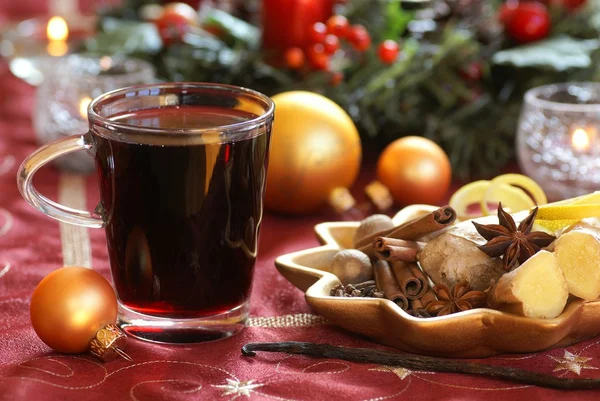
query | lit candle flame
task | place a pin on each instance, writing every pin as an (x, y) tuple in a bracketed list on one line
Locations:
[(580, 140), (105, 63), (58, 32), (83, 106), (57, 29)]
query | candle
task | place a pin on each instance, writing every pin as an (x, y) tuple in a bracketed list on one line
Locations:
[(558, 138), (105, 63), (58, 33), (83, 106), (286, 23), (63, 7), (32, 46), (69, 85), (581, 139)]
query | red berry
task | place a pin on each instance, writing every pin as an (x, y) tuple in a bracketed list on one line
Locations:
[(573, 5), (338, 25), (506, 11), (294, 58), (319, 60), (529, 22), (336, 78), (317, 32), (472, 72), (359, 38), (331, 44), (181, 9), (192, 3), (171, 27), (388, 51)]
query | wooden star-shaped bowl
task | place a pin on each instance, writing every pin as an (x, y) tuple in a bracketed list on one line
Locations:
[(475, 333)]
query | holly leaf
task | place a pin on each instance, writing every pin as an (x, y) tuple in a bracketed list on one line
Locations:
[(123, 36), (233, 30), (397, 20), (559, 54)]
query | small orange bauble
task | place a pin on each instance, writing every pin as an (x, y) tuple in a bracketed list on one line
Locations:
[(315, 148), (415, 170), (69, 306)]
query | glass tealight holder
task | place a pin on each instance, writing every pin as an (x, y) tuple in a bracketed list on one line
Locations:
[(31, 45), (71, 83), (558, 143)]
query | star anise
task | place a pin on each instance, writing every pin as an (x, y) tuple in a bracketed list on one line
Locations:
[(514, 244), (461, 298)]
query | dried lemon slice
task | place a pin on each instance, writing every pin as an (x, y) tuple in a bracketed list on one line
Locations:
[(468, 195), (559, 215), (512, 198), (568, 212), (552, 226), (497, 192), (587, 199)]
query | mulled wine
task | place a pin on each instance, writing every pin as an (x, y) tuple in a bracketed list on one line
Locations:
[(182, 220)]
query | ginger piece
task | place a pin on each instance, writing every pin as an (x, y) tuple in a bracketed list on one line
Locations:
[(537, 288), (450, 259), (578, 254)]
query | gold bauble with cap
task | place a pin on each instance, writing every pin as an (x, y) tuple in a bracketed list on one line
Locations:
[(415, 170), (315, 148), (74, 310)]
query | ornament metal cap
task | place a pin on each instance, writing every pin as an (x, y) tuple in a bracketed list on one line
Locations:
[(379, 195), (109, 343), (341, 199)]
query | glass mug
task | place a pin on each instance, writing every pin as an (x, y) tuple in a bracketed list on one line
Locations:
[(182, 170)]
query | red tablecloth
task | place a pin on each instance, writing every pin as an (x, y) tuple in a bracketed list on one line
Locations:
[(32, 245)]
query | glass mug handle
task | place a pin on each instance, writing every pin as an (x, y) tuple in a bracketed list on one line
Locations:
[(55, 210)]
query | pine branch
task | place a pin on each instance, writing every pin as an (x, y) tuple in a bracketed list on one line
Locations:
[(423, 93)]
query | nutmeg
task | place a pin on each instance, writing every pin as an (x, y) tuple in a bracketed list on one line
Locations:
[(351, 266), (371, 225)]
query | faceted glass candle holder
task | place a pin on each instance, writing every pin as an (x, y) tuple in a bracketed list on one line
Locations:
[(27, 47), (70, 85), (557, 139)]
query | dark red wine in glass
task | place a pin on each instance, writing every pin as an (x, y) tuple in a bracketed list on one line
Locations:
[(182, 220), (181, 168)]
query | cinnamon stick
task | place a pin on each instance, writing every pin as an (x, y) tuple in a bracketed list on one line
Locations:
[(396, 253), (415, 304), (410, 285), (428, 297), (392, 249), (411, 279), (380, 243), (417, 309), (419, 275), (421, 362), (386, 282), (414, 229)]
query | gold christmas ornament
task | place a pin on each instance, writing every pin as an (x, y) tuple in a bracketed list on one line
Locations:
[(73, 310), (315, 148), (415, 170)]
